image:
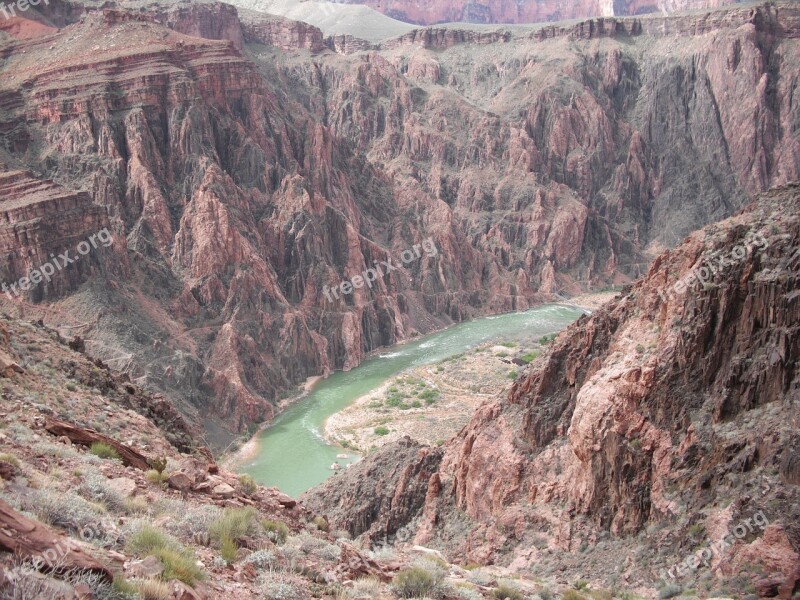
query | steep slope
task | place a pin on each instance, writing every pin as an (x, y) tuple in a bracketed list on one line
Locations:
[(647, 433), (243, 171), (82, 513)]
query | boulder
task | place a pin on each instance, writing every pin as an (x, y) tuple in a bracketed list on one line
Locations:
[(180, 481), (123, 486), (223, 490), (149, 568), (285, 501)]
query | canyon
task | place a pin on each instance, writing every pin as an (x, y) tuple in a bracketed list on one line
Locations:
[(243, 163), (649, 429)]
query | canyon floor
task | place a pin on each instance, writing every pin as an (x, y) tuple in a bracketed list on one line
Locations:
[(430, 404)]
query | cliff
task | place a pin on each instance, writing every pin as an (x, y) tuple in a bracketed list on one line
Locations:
[(650, 429), (245, 169)]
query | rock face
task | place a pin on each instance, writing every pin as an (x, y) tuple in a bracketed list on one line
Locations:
[(242, 182), (526, 11), (360, 504), (674, 405)]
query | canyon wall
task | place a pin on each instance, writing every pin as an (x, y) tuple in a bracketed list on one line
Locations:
[(243, 165), (649, 429)]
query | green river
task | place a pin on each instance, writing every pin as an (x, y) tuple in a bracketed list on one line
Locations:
[(292, 453)]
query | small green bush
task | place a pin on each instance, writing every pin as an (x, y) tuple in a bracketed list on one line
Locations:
[(572, 595), (232, 525), (249, 485), (158, 464), (179, 562), (10, 459), (670, 591), (506, 591), (417, 582), (381, 430), (580, 584), (322, 523), (156, 476), (103, 450), (228, 550), (277, 531)]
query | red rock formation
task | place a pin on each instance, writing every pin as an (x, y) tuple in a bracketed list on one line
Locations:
[(239, 184), (280, 32), (672, 405), (31, 540)]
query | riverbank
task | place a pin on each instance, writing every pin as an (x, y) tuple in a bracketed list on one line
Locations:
[(432, 403), (296, 454), (249, 450)]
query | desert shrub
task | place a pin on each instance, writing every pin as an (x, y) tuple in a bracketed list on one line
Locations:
[(465, 593), (341, 534), (432, 561), (136, 505), (314, 546), (24, 582), (155, 476), (144, 540), (366, 588), (101, 589), (194, 520), (124, 587), (429, 396), (179, 562), (381, 430), (280, 586), (546, 594), (417, 582), (228, 550), (234, 524), (505, 592), (480, 577), (10, 459), (151, 589), (95, 487), (64, 509), (158, 464), (260, 559), (249, 485), (529, 357), (669, 591), (580, 584), (277, 531), (322, 523), (103, 450), (54, 450), (572, 595)]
